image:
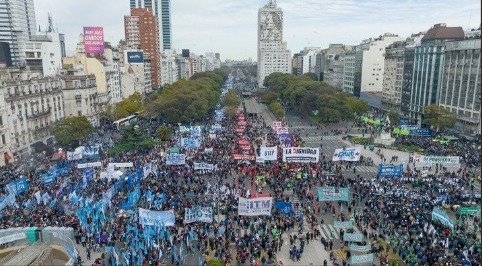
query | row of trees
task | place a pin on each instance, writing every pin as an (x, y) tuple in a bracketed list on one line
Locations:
[(231, 102), (316, 99), (187, 100)]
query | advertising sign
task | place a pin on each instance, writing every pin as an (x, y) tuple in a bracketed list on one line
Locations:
[(94, 40), (390, 170), (148, 217), (269, 153), (135, 57), (333, 194), (198, 214), (255, 206), (203, 166), (301, 155), (176, 159), (351, 154)]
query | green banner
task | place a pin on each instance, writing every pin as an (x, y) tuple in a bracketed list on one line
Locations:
[(362, 259), (343, 225), (358, 248), (333, 194), (474, 210), (355, 237), (174, 150)]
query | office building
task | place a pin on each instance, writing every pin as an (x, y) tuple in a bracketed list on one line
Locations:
[(306, 60), (161, 9), (352, 70), (141, 32), (44, 52), (330, 64), (428, 68), (17, 25), (460, 83), (79, 95), (273, 54)]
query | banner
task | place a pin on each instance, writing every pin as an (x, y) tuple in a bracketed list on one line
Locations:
[(282, 130), (174, 150), (444, 160), (88, 165), (269, 153), (343, 225), (147, 169), (217, 127), (301, 155), (18, 186), (357, 248), (74, 155), (156, 218), (203, 166), (122, 165), (91, 150), (238, 156), (198, 214), (473, 210), (255, 206), (88, 175), (351, 154), (441, 216), (355, 237), (277, 124), (285, 140), (176, 159), (390, 170), (190, 143), (284, 207), (333, 194), (362, 259)]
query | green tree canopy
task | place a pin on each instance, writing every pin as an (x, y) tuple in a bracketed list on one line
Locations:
[(70, 130), (128, 106), (164, 132), (277, 109), (311, 76), (394, 118), (438, 117)]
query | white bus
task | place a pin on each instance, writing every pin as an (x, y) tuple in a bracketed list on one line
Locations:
[(119, 124)]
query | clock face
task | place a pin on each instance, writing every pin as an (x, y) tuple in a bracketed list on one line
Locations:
[(270, 26)]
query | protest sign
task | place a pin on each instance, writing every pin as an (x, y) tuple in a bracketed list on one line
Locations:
[(301, 155), (355, 237), (390, 170), (203, 166), (333, 194), (88, 165), (343, 225), (362, 259), (18, 186), (190, 143), (176, 159), (357, 248), (348, 154), (255, 206), (284, 207), (156, 218), (198, 214), (269, 153)]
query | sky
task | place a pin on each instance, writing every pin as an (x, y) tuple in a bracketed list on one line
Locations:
[(230, 26)]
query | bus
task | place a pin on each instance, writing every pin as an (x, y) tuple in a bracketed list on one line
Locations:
[(119, 124)]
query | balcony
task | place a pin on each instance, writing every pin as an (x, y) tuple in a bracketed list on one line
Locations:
[(40, 114), (24, 95)]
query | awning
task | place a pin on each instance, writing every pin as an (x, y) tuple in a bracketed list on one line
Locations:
[(7, 157)]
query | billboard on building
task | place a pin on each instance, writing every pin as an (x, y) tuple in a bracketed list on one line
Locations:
[(135, 57), (185, 53), (94, 40)]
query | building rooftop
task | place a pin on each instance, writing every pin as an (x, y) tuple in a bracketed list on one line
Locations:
[(442, 32)]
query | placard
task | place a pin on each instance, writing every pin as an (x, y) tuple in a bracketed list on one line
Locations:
[(176, 159), (269, 153), (333, 194), (198, 214), (351, 154), (255, 206), (301, 155)]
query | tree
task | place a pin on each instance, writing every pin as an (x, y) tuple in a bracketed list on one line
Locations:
[(164, 132), (394, 118), (277, 109), (311, 76), (70, 130), (438, 117), (128, 106)]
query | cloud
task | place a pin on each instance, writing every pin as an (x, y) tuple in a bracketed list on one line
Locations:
[(229, 26)]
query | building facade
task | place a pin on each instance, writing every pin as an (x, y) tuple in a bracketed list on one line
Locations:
[(33, 103), (44, 53), (17, 25), (428, 68), (273, 55), (330, 64), (460, 83), (352, 70), (142, 32), (161, 9), (169, 70), (80, 96), (307, 60), (373, 61), (393, 76)]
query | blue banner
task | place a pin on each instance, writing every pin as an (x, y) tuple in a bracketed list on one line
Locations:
[(176, 159), (17, 187), (390, 170), (284, 207), (88, 175), (421, 132), (190, 143), (156, 218)]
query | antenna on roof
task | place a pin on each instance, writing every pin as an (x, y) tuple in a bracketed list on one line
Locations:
[(50, 26)]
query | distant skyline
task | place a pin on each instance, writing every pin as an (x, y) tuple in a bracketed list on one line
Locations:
[(230, 27)]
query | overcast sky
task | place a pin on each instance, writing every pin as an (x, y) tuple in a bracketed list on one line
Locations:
[(229, 26)]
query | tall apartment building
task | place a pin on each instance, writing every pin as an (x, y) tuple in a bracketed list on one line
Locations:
[(393, 76), (33, 103), (44, 52), (273, 54), (307, 60), (136, 73), (142, 32), (330, 64), (408, 60), (461, 82), (80, 97), (428, 67), (373, 61), (169, 70), (161, 9), (352, 70), (17, 25)]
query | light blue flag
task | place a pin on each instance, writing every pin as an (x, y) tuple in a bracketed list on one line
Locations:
[(200, 261)]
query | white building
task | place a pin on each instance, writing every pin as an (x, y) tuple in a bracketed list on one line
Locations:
[(79, 94), (33, 104), (135, 73), (307, 60), (169, 71), (273, 55), (44, 53), (17, 25), (373, 63)]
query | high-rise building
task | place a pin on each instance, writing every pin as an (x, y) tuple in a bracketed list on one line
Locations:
[(460, 83), (352, 70), (329, 64), (428, 67), (162, 10), (393, 76), (307, 60), (141, 30), (17, 25), (273, 54)]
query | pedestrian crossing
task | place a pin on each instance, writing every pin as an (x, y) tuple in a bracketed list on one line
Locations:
[(318, 138), (329, 232), (362, 169), (303, 127)]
